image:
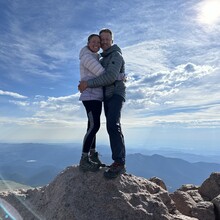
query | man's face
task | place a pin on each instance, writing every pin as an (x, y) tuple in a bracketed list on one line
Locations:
[(106, 40)]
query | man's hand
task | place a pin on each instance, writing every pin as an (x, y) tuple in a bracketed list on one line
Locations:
[(82, 86)]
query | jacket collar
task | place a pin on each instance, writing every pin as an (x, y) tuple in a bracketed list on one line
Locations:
[(113, 48)]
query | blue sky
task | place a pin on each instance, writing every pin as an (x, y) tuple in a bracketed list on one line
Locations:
[(172, 55)]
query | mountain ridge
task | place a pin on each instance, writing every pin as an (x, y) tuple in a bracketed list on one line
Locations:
[(38, 164)]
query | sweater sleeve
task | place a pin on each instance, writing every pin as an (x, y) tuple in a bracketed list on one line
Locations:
[(92, 64), (111, 72)]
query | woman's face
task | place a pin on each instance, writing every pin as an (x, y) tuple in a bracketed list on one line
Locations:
[(94, 44)]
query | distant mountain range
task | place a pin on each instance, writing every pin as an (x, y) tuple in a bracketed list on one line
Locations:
[(38, 164), (173, 171)]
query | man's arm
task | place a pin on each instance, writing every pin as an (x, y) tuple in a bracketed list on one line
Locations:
[(111, 73)]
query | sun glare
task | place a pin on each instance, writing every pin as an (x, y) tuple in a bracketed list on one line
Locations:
[(209, 12)]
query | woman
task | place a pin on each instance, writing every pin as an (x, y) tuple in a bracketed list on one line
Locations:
[(92, 101)]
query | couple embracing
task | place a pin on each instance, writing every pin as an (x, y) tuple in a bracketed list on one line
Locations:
[(102, 80)]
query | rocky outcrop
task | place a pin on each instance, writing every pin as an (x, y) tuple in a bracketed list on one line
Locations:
[(201, 202), (158, 181), (210, 187), (74, 195), (186, 204)]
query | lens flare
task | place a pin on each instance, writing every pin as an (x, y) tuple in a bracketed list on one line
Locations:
[(8, 212)]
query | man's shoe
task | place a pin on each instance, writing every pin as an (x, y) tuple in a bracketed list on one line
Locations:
[(114, 171), (95, 158), (86, 164)]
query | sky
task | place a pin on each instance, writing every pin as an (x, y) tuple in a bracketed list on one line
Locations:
[(172, 54)]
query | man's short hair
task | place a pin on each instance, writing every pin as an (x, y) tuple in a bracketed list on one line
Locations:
[(106, 30)]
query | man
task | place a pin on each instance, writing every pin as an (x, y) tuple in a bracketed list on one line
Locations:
[(113, 85)]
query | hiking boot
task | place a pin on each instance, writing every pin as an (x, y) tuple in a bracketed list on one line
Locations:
[(86, 164), (95, 158), (114, 171)]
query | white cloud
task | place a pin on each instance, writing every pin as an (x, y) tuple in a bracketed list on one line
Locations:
[(40, 130), (20, 103), (67, 109), (146, 57), (39, 46), (172, 63), (12, 94), (170, 95), (156, 97)]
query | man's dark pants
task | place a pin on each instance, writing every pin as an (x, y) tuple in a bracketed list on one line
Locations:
[(112, 108)]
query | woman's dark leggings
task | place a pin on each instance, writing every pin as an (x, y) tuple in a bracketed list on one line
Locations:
[(93, 110)]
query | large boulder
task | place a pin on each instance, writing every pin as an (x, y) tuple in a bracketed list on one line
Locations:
[(74, 195), (184, 202), (189, 202), (210, 188), (216, 202), (158, 181)]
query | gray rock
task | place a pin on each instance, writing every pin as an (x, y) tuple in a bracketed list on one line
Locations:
[(190, 203), (74, 195), (216, 202), (195, 195), (187, 187), (158, 181), (210, 188), (184, 202), (204, 211)]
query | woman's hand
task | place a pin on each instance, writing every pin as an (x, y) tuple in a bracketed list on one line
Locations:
[(82, 86)]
